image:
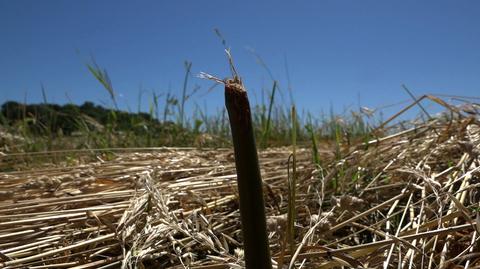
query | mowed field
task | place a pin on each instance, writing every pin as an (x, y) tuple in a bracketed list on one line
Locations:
[(409, 199)]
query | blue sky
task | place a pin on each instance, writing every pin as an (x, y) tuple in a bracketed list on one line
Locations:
[(338, 52)]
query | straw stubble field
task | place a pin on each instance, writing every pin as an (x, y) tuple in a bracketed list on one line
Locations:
[(409, 199)]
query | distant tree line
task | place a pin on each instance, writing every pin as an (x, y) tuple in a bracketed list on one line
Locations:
[(70, 118)]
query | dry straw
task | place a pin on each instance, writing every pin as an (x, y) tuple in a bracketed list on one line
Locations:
[(409, 198)]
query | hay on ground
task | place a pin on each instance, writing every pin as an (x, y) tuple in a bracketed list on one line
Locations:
[(410, 198)]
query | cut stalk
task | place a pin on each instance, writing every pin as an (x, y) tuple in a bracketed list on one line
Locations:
[(252, 208), (292, 185)]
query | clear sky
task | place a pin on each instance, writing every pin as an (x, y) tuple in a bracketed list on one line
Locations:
[(338, 52)]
